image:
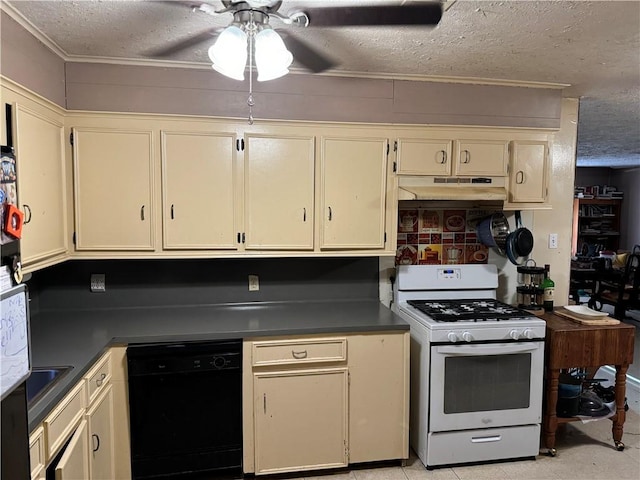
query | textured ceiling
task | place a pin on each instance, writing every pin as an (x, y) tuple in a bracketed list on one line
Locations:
[(594, 47)]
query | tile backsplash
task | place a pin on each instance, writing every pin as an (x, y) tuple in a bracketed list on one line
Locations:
[(440, 236)]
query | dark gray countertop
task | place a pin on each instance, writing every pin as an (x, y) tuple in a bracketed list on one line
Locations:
[(78, 337)]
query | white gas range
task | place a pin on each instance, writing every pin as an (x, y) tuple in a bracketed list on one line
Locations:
[(476, 366)]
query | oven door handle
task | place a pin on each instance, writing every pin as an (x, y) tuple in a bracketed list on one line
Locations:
[(492, 349)]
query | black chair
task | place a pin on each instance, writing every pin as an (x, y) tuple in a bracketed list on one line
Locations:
[(618, 287)]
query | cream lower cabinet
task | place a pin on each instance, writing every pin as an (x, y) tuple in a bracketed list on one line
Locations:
[(74, 462), (318, 402), (300, 420), (199, 175), (528, 182), (353, 193), (100, 426), (113, 174), (41, 168), (279, 172)]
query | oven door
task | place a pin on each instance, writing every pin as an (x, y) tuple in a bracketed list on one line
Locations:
[(485, 385)]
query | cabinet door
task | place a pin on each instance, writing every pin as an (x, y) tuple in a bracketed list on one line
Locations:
[(113, 190), (100, 425), (74, 462), (417, 156), (198, 202), (481, 158), (378, 397), (353, 186), (279, 182), (529, 171), (41, 184), (300, 420)]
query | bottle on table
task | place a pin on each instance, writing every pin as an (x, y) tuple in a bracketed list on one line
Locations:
[(548, 287)]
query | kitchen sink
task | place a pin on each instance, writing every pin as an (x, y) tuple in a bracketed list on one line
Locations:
[(42, 379)]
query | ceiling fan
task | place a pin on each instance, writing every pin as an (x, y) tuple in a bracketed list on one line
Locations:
[(252, 17)]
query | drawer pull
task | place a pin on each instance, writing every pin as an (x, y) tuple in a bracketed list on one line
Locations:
[(100, 380), (96, 442), (299, 355)]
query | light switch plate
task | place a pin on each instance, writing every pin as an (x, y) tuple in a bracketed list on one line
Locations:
[(98, 282), (254, 283), (553, 240)]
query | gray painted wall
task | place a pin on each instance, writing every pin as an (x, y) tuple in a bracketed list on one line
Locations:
[(27, 61), (628, 180), (139, 283), (126, 88)]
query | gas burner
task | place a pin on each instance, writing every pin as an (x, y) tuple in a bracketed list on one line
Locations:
[(471, 310)]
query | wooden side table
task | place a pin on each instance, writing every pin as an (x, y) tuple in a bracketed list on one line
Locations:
[(569, 344)]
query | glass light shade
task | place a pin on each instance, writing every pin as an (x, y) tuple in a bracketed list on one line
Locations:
[(272, 56), (229, 53)]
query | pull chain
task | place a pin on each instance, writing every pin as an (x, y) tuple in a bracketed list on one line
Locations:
[(250, 101)]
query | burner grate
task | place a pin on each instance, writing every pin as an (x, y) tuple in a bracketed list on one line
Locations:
[(477, 310)]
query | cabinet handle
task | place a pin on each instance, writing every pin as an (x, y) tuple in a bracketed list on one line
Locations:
[(172, 211), (304, 214), (444, 157), (100, 380), (27, 209), (142, 213), (330, 214), (520, 177), (96, 443), (299, 355), (264, 402), (467, 156)]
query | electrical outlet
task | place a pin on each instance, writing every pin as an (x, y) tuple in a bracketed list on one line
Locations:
[(98, 282), (553, 240), (254, 283)]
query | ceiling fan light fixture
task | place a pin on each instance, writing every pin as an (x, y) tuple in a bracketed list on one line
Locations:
[(229, 53), (272, 57)]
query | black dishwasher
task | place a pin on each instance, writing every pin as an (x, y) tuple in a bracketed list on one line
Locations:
[(185, 403)]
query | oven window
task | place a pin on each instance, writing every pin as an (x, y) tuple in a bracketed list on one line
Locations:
[(484, 383)]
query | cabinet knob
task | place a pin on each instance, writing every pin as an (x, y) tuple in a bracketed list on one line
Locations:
[(299, 355), (443, 158), (330, 214), (101, 379), (467, 156), (520, 177), (142, 213)]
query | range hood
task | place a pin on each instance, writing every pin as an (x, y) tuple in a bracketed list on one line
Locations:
[(452, 188)]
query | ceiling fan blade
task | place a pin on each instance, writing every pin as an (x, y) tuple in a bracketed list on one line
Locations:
[(180, 45), (372, 15), (305, 55)]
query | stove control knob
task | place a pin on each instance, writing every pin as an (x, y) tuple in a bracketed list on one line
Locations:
[(466, 336), (528, 333), (452, 337), (514, 334)]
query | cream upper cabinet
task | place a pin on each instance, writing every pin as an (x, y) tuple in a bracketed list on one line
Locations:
[(113, 189), (279, 192), (74, 462), (198, 190), (300, 420), (40, 154), (481, 158), (353, 193), (528, 174), (417, 156), (100, 425)]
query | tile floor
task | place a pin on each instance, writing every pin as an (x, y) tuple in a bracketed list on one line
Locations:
[(584, 451)]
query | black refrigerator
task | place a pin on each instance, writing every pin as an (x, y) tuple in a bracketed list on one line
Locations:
[(15, 366)]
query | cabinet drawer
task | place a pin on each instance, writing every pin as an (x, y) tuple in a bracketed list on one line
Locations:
[(37, 453), (64, 418), (98, 377), (284, 352)]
